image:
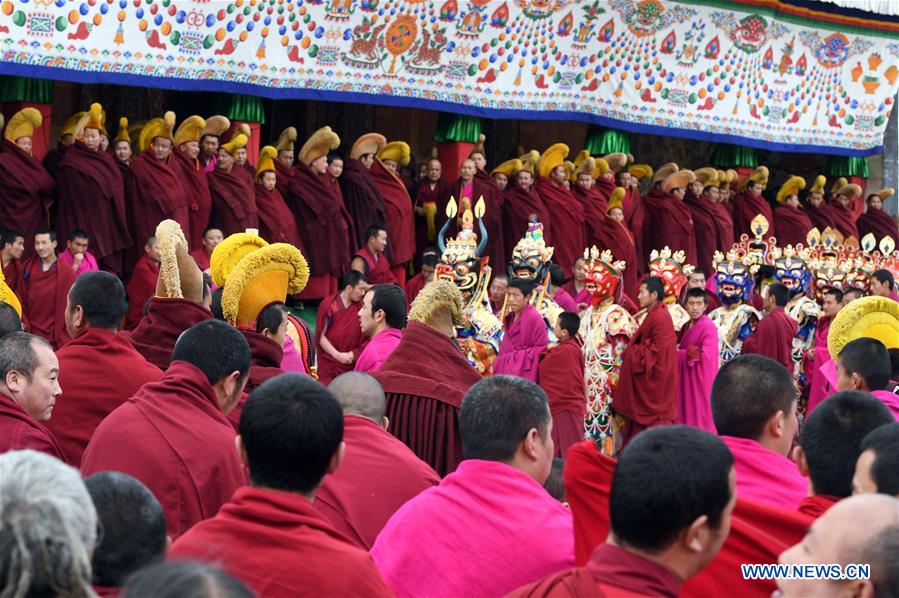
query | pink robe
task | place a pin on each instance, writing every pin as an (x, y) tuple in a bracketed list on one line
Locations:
[(694, 385), (818, 387), (523, 341), (486, 512), (378, 350), (890, 399), (766, 476)]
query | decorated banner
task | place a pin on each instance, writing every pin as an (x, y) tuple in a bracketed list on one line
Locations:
[(773, 74)]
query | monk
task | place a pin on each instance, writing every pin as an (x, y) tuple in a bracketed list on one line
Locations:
[(561, 376), (65, 141), (99, 370), (523, 205), (840, 210), (284, 169), (13, 249), (211, 237), (697, 280), (142, 284), (400, 223), (173, 435), (565, 211), (614, 235), (233, 195), (863, 365), (378, 473), (647, 388), (524, 336), (187, 167), (270, 534), (700, 197), (577, 287), (276, 223), (749, 203), (91, 196), (426, 377), (754, 407), (428, 196), (26, 189), (697, 356), (829, 446), (876, 220), (773, 336), (155, 192), (338, 337), (669, 221), (634, 209), (414, 285), (815, 207), (382, 319), (76, 255), (372, 260), (29, 386), (211, 140), (879, 459), (493, 508), (644, 555), (267, 345), (46, 286), (791, 223), (471, 185), (831, 304), (361, 196), (594, 200)]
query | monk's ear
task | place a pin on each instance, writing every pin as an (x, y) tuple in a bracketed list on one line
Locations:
[(385, 423), (530, 444), (337, 458), (696, 536), (241, 452), (775, 425), (857, 382), (801, 461)]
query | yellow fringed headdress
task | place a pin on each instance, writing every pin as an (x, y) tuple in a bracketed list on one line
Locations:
[(92, 119), (872, 317), (263, 277), (479, 146), (818, 185), (122, 134), (707, 176), (600, 167), (509, 168), (229, 252), (759, 175), (179, 275), (793, 186), (267, 157), (616, 161), (616, 200), (238, 142), (8, 296), (640, 171), (322, 141), (552, 158), (529, 161), (664, 171), (851, 190), (679, 179), (588, 166), (189, 129), (439, 295), (69, 127), (286, 140), (215, 126), (837, 184), (884, 193), (398, 151), (23, 123), (370, 143), (157, 127)]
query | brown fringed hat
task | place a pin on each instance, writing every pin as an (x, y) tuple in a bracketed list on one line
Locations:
[(370, 143), (179, 275), (322, 141)]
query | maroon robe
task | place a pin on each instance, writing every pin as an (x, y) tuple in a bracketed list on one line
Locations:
[(568, 223), (879, 223), (612, 235), (843, 219), (278, 545), (18, 431), (377, 268), (517, 208), (140, 288), (14, 273), (201, 257), (635, 217), (155, 193), (377, 476), (265, 359), (53, 159), (158, 331), (724, 220), (91, 197), (98, 371), (193, 181), (172, 436), (818, 504), (561, 376), (646, 392), (706, 230), (791, 226), (669, 222), (423, 407), (595, 205), (414, 286), (747, 207), (773, 337), (26, 190), (233, 201), (283, 174), (400, 224), (821, 217), (276, 223), (424, 195), (44, 300), (342, 323), (493, 216), (362, 199)]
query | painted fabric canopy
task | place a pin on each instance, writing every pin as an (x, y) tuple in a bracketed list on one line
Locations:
[(793, 75)]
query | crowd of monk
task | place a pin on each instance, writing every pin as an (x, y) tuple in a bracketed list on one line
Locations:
[(602, 379)]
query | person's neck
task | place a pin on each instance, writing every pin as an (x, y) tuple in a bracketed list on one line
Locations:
[(379, 329), (345, 297), (373, 250), (49, 260), (667, 559), (6, 258), (772, 444), (310, 496), (579, 285), (433, 183), (467, 182)]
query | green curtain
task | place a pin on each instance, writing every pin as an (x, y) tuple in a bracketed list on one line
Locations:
[(848, 166), (25, 89), (249, 109), (601, 141), (457, 127), (730, 156)]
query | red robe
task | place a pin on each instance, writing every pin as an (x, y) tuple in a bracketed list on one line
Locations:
[(44, 300), (568, 224), (595, 205), (158, 331), (668, 222), (561, 376), (424, 194), (201, 257), (278, 545), (26, 190), (705, 222), (843, 219), (18, 431), (821, 217), (616, 238), (98, 371), (343, 332), (646, 392), (233, 201), (747, 207), (517, 208), (193, 181), (377, 476), (725, 223), (377, 269), (791, 226), (363, 200), (635, 217), (173, 437), (400, 224), (155, 193), (14, 273), (91, 197), (140, 288), (276, 223), (773, 337), (879, 223), (481, 186), (817, 505), (283, 174), (414, 286), (423, 406), (266, 356)]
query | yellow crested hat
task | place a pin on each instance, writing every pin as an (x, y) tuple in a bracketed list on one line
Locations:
[(884, 193), (840, 182), (588, 166), (157, 127), (872, 317), (509, 168), (792, 186), (215, 126), (759, 175), (398, 151), (640, 171), (616, 200), (92, 119), (370, 143), (600, 167), (707, 176), (229, 252), (679, 179), (242, 129), (23, 123), (179, 275), (664, 171), (616, 161), (69, 127), (286, 140), (580, 157), (436, 298), (529, 161), (189, 129), (266, 163), (818, 185), (479, 146), (552, 158), (238, 142), (7, 296), (122, 134), (851, 190), (322, 141), (261, 278)]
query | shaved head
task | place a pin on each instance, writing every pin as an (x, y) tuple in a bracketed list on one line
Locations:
[(359, 394)]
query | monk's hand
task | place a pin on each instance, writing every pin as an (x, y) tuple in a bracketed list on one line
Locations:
[(693, 353), (347, 358)]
